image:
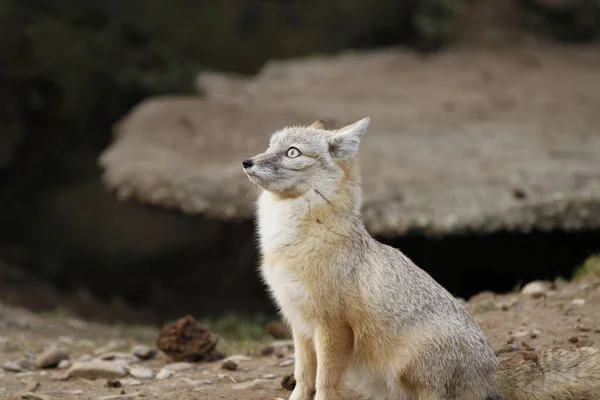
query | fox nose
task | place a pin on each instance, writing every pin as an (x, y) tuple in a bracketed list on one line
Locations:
[(247, 163)]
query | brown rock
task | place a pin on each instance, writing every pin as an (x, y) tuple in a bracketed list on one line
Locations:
[(267, 350), (187, 340), (229, 365), (113, 383), (288, 382), (278, 330)]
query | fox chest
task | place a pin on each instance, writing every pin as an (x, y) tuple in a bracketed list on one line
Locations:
[(292, 296)]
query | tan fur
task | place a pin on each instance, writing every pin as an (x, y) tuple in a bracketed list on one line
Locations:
[(361, 312)]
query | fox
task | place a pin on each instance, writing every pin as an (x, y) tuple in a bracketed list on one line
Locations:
[(361, 313)]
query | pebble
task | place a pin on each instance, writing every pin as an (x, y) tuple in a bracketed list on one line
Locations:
[(269, 376), (130, 382), (238, 358), (507, 349), (287, 363), (584, 328), (255, 384), (268, 350), (144, 352), (113, 383), (229, 365), (3, 340), (51, 358), (141, 373), (96, 369), (12, 366), (164, 374), (64, 364), (535, 289), (115, 355), (85, 358), (578, 302), (119, 397), (281, 351), (179, 366), (535, 333)]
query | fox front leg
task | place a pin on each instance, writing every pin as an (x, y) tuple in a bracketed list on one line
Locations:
[(305, 368), (334, 348)]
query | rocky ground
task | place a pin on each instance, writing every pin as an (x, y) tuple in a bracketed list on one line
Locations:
[(54, 356)]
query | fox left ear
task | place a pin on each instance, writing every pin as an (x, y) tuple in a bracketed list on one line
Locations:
[(344, 143), (318, 124)]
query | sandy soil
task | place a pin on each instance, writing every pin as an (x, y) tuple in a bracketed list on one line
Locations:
[(568, 314)]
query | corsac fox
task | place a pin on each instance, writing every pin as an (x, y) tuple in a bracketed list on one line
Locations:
[(363, 313)]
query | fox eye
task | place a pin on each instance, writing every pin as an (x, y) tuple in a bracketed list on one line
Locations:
[(293, 152)]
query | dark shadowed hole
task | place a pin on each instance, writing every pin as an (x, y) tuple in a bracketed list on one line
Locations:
[(216, 271)]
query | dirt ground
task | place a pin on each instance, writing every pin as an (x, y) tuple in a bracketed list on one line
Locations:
[(565, 314)]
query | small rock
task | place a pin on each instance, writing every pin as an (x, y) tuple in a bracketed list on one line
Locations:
[(130, 382), (113, 383), (535, 333), (64, 364), (179, 367), (115, 355), (141, 373), (268, 350), (33, 396), (507, 349), (96, 369), (278, 330), (3, 340), (269, 376), (85, 358), (573, 339), (255, 384), (119, 397), (144, 352), (207, 382), (229, 365), (288, 382), (584, 328), (578, 302), (281, 351), (26, 362), (521, 334), (238, 358), (12, 366), (51, 358), (287, 363), (535, 289), (164, 374), (527, 347)]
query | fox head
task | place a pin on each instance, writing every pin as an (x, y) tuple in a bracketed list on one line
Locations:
[(303, 159)]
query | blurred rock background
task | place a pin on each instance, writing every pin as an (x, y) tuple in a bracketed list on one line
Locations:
[(70, 70)]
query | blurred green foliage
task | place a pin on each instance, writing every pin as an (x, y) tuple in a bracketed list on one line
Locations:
[(577, 21), (77, 66)]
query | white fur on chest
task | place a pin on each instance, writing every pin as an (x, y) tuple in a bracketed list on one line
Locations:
[(278, 223), (291, 296)]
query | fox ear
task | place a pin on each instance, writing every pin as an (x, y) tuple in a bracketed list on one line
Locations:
[(343, 144), (318, 124)]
